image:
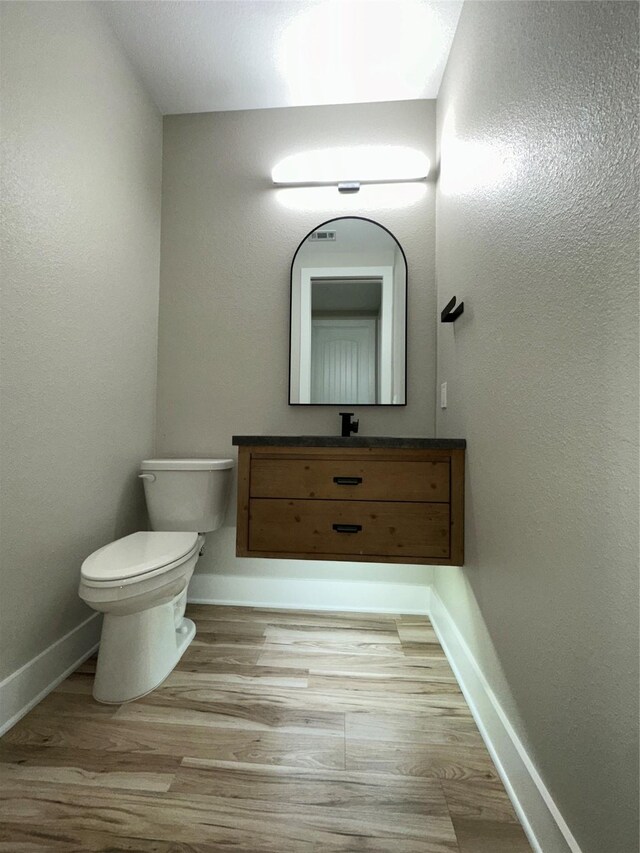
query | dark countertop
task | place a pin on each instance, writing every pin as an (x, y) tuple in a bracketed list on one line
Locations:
[(389, 441)]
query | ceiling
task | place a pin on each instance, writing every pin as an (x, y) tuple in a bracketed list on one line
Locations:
[(208, 55)]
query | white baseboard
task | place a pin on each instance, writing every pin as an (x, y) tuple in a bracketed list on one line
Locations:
[(310, 594), (542, 821), (27, 686)]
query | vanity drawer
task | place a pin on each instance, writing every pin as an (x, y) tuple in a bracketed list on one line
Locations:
[(376, 528), (350, 479)]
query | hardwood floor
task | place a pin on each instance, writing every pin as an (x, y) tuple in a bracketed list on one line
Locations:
[(279, 731)]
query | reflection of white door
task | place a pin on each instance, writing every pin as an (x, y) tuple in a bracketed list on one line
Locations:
[(343, 360)]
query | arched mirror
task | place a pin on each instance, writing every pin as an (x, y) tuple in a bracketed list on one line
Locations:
[(348, 337)]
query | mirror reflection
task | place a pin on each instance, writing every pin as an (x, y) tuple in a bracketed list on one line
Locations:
[(348, 316)]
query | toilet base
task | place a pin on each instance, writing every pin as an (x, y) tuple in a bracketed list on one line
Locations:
[(139, 650)]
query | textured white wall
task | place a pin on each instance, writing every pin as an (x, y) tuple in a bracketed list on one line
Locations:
[(228, 238), (81, 171), (538, 233)]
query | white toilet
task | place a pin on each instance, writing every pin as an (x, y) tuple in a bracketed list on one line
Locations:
[(140, 581)]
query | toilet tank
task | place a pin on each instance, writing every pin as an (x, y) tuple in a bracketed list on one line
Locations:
[(186, 494)]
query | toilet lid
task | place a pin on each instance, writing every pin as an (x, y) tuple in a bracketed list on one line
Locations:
[(137, 554)]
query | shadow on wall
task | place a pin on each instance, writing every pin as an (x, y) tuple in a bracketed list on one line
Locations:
[(131, 509)]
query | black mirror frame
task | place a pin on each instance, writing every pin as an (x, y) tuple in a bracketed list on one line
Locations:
[(406, 313)]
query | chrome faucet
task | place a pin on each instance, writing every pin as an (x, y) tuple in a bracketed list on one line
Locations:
[(348, 426)]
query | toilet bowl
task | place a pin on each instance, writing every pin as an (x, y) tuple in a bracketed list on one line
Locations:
[(140, 581)]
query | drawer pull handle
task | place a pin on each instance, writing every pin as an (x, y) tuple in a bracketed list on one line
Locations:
[(347, 528), (347, 481)]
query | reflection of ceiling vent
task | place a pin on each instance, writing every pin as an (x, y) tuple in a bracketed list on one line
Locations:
[(323, 235)]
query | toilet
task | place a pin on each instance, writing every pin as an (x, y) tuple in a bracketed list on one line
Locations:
[(140, 581)]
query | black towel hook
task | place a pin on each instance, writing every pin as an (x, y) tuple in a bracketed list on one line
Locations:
[(448, 315)]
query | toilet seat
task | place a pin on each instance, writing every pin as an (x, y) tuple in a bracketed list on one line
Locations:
[(137, 557)]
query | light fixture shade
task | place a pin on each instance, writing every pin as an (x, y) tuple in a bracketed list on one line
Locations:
[(363, 163)]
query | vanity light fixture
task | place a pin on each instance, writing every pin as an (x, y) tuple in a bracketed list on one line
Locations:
[(349, 168)]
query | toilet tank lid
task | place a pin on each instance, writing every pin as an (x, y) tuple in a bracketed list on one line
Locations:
[(185, 464)]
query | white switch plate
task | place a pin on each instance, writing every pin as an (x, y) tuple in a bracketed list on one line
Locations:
[(443, 395)]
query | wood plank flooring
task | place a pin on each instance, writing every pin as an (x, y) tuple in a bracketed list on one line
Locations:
[(278, 732)]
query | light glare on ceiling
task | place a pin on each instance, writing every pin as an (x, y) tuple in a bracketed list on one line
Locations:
[(341, 52)]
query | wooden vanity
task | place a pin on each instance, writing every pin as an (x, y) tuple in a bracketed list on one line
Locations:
[(386, 500)]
